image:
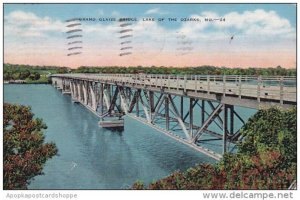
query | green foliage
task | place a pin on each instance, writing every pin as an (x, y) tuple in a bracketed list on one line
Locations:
[(42, 80), (271, 129), (201, 70), (32, 74), (24, 150), (266, 158), (35, 76), (22, 72), (138, 185)]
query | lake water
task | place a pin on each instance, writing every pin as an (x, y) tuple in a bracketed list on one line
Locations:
[(91, 157)]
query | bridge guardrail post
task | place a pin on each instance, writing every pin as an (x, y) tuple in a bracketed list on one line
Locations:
[(177, 82), (240, 87), (258, 88), (281, 90), (196, 79), (169, 81), (184, 89), (161, 81), (224, 85), (208, 84)]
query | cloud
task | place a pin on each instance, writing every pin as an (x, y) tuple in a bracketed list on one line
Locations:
[(100, 12), (27, 24), (254, 30), (192, 28), (257, 22), (115, 13), (156, 11), (252, 23), (256, 25)]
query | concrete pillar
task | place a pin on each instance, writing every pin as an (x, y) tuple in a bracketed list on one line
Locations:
[(79, 91), (71, 89), (84, 93), (93, 97), (101, 98)]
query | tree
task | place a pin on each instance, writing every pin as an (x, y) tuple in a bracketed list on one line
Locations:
[(7, 76), (24, 149), (271, 129), (265, 159), (24, 74), (35, 76)]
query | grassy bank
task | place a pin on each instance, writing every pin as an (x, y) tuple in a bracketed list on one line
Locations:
[(42, 80)]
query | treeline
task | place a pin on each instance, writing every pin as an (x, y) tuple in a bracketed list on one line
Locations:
[(201, 70), (265, 159), (23, 72), (28, 72)]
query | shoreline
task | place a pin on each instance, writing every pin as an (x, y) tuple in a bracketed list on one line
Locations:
[(25, 83)]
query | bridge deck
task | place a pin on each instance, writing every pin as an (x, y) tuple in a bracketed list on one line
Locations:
[(248, 91)]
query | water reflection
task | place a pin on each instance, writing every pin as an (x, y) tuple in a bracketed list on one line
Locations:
[(91, 157)]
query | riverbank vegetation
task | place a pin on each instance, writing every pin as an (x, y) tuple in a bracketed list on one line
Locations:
[(265, 159), (39, 74), (31, 74), (201, 70), (24, 149)]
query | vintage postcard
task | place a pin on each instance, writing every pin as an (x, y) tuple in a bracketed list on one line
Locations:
[(150, 96)]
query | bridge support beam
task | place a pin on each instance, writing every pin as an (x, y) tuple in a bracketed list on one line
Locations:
[(202, 111), (191, 117), (225, 120), (167, 113), (181, 107), (161, 110)]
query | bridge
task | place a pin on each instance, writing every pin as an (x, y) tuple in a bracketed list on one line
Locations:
[(169, 103)]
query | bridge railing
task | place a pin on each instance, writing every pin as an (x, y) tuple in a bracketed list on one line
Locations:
[(282, 88), (263, 86), (228, 78)]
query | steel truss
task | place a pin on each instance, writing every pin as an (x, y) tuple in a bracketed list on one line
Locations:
[(162, 111)]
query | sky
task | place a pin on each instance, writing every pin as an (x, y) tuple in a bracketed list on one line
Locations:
[(238, 35)]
